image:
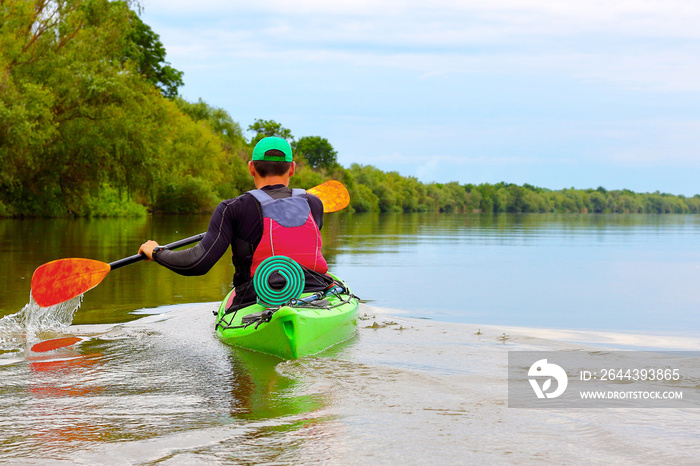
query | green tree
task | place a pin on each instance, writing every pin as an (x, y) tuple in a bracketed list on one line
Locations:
[(144, 48), (81, 117), (473, 200), (269, 128), (598, 201), (218, 119), (488, 193), (693, 204), (362, 199), (501, 199), (317, 151), (305, 177), (73, 109)]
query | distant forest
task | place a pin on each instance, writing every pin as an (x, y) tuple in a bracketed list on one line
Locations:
[(91, 124), (375, 190)]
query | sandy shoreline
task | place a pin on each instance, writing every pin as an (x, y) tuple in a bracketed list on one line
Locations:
[(667, 341)]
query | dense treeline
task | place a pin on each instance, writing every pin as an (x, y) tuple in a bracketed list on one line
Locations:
[(91, 125), (389, 192)]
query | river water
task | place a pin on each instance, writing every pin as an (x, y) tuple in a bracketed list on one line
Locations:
[(446, 297)]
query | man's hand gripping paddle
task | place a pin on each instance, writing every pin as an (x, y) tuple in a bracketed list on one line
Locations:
[(63, 279)]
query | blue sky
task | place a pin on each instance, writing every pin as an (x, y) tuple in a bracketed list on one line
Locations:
[(548, 92)]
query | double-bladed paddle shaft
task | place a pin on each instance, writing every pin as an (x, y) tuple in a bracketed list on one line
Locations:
[(140, 257), (63, 279)]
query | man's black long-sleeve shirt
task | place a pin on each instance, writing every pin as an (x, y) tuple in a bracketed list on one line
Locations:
[(237, 223)]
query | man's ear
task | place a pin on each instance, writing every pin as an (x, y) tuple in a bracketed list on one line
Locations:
[(292, 169), (251, 169)]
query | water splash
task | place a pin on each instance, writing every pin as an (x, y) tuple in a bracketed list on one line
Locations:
[(34, 323)]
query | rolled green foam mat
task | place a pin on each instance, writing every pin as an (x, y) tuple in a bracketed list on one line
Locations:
[(289, 270)]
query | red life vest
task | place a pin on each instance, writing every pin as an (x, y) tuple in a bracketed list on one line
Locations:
[(289, 230)]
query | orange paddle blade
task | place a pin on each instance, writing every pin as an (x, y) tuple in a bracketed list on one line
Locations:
[(333, 195), (63, 279), (50, 345)]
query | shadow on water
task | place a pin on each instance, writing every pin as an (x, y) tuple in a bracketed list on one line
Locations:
[(290, 413), (262, 391), (259, 391)]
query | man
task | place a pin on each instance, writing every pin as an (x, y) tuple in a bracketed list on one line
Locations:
[(272, 220)]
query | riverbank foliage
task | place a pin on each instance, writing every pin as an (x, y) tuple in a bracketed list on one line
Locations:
[(90, 121), (390, 192), (91, 124)]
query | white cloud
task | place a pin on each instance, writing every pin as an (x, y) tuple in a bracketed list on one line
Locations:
[(634, 44), (441, 21)]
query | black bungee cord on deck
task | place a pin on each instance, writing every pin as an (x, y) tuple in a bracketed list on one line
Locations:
[(317, 301)]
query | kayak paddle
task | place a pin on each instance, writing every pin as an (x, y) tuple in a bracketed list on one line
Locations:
[(63, 279), (60, 280), (333, 195)]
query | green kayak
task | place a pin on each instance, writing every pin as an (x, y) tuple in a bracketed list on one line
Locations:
[(304, 326)]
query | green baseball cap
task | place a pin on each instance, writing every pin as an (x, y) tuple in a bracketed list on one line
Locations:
[(273, 149)]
